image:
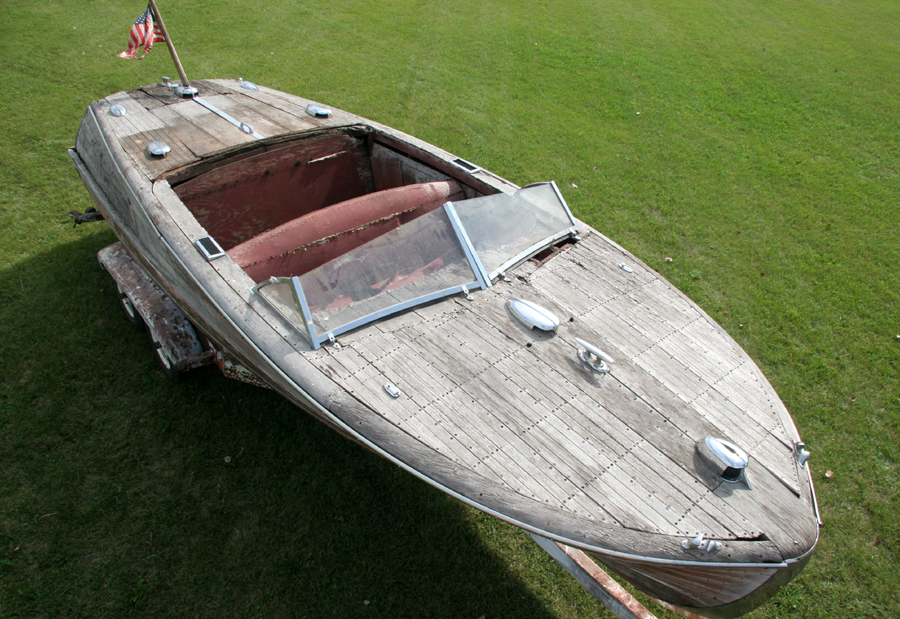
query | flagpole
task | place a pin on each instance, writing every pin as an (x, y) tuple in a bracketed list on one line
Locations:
[(185, 90)]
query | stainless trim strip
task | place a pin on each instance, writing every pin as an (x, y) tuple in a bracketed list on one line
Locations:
[(242, 126), (304, 309), (564, 203)]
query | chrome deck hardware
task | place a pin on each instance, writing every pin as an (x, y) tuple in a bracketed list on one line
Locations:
[(593, 356), (725, 458), (319, 111), (801, 453), (533, 315), (240, 125), (698, 543), (158, 149), (391, 390)]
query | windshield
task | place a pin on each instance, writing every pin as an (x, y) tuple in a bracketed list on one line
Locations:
[(447, 251), (418, 262), (505, 228)]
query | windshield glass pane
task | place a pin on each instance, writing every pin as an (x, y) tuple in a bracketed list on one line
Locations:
[(501, 227), (421, 258), (279, 292)]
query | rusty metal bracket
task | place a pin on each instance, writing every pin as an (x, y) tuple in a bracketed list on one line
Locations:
[(91, 214), (232, 369)]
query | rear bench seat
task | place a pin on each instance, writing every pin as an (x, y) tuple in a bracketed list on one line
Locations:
[(302, 244)]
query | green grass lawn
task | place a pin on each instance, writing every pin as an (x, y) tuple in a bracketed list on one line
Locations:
[(755, 144)]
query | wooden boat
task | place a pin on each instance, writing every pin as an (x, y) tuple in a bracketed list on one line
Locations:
[(468, 330)]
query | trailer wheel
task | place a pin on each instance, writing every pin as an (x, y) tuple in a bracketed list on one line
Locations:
[(165, 363), (130, 312)]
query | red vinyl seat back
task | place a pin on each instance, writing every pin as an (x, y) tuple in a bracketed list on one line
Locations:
[(307, 242)]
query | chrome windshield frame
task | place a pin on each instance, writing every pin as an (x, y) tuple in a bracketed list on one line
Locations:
[(318, 340), (535, 248), (483, 278)]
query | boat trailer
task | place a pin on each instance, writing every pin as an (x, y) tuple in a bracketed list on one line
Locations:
[(178, 346)]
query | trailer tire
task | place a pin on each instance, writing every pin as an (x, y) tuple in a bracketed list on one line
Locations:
[(165, 364), (131, 313)]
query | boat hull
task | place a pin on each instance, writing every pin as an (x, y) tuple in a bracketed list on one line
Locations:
[(720, 592), (460, 363)]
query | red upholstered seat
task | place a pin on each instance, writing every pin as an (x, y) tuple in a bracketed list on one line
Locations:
[(307, 242)]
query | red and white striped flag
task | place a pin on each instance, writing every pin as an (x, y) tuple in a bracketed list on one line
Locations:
[(144, 33)]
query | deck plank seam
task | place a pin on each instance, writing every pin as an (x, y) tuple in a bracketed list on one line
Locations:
[(431, 438), (669, 420), (607, 478), (477, 421), (650, 501), (691, 509), (489, 366), (520, 444), (662, 340), (568, 472), (411, 417), (600, 455), (691, 500), (512, 423), (754, 419), (534, 424), (741, 433), (562, 273)]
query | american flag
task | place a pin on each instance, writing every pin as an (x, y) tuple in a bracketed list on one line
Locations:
[(144, 33)]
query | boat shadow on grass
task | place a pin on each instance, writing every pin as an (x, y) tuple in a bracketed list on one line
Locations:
[(131, 494)]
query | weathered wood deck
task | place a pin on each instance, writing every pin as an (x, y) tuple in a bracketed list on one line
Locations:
[(523, 411)]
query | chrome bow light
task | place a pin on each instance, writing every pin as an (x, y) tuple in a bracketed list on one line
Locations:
[(725, 458)]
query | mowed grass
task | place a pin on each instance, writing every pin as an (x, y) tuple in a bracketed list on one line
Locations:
[(757, 145)]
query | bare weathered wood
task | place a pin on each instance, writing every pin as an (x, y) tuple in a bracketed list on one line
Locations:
[(696, 588), (137, 119), (191, 123)]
